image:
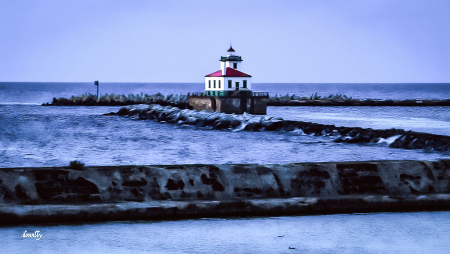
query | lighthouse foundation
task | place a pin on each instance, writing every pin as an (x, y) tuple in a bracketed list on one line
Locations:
[(230, 102)]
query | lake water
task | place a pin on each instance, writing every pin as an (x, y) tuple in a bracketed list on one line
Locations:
[(33, 135), (421, 232)]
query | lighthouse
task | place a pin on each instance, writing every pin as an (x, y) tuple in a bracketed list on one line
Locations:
[(230, 77), (228, 90)]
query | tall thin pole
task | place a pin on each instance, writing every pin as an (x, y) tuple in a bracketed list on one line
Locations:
[(96, 83)]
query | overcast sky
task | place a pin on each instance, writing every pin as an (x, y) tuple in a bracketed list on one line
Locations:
[(340, 41)]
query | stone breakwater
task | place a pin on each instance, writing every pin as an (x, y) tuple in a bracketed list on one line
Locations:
[(182, 101), (357, 102), (63, 194), (396, 138), (177, 100)]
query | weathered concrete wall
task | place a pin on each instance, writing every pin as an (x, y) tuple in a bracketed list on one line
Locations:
[(179, 191), (237, 104), (202, 103), (157, 210), (39, 195), (221, 182), (257, 106)]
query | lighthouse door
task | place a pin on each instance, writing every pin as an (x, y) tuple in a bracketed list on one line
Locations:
[(213, 104), (237, 86)]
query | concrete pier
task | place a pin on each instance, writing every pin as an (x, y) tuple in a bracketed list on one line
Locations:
[(62, 194)]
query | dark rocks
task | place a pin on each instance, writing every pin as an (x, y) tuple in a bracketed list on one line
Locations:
[(327, 102), (246, 122), (359, 138), (180, 101), (413, 140), (221, 124), (234, 123), (123, 111)]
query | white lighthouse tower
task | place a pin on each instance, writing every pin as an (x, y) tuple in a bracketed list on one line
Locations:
[(228, 90), (229, 77)]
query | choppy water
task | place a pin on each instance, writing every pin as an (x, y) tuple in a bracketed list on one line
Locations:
[(33, 135), (53, 136), (434, 120)]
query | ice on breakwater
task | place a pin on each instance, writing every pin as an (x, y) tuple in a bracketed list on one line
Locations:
[(396, 138)]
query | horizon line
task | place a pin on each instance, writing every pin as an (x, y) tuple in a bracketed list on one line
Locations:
[(128, 82)]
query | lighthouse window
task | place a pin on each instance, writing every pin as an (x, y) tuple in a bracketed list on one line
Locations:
[(209, 83), (214, 84), (229, 84), (219, 83), (235, 65), (244, 85)]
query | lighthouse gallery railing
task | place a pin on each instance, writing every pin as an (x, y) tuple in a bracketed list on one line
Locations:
[(227, 94)]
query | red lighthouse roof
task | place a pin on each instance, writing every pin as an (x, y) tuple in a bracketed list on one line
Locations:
[(230, 49), (230, 72)]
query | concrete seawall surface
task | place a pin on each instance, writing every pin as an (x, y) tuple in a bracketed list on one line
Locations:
[(35, 195)]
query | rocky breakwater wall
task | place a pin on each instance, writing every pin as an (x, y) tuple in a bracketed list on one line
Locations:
[(63, 194), (177, 100), (357, 102), (343, 100), (396, 138)]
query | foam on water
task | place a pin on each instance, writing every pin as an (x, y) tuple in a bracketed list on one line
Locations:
[(434, 120), (389, 140), (54, 136)]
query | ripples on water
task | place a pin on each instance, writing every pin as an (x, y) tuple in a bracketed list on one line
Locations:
[(423, 232), (434, 120), (18, 92), (32, 135)]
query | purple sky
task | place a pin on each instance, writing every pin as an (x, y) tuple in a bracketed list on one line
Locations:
[(182, 41)]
